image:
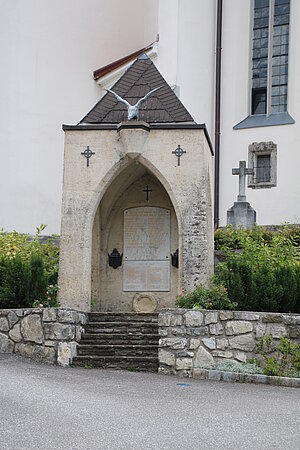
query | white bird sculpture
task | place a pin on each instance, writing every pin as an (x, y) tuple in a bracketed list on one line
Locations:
[(133, 110)]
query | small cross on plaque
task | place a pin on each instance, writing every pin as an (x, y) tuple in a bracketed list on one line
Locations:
[(242, 171), (147, 190), (87, 153), (178, 152)]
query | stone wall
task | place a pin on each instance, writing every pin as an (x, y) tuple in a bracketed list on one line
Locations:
[(192, 340), (49, 335)]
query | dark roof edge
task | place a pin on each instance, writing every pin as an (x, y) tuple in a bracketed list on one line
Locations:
[(120, 62), (152, 126)]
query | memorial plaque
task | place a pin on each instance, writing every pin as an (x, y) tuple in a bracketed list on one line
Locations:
[(146, 249)]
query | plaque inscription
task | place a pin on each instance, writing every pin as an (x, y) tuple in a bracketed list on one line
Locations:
[(146, 249)]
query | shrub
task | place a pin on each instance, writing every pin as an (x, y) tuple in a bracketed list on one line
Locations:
[(213, 297), (14, 287)]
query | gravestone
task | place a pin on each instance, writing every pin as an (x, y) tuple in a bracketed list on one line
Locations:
[(241, 213)]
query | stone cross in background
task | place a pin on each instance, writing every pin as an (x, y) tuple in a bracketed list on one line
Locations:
[(242, 171)]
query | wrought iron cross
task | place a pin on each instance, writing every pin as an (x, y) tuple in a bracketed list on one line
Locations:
[(178, 152), (242, 171), (87, 153), (147, 190)]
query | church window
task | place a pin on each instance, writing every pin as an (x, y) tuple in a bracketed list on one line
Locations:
[(262, 158), (270, 56)]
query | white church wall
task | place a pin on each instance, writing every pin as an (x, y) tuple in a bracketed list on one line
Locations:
[(49, 50)]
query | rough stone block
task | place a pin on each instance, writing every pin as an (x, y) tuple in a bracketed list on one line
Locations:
[(164, 319), (203, 359), (12, 318), (66, 316), (49, 315), (4, 324), (199, 374), (209, 343), (222, 343), (276, 330), (193, 318), (244, 342), (15, 333), (31, 328), (246, 315), (272, 318), (183, 363), (194, 343), (213, 375), (65, 353), (166, 371), (198, 331), (260, 330), (291, 320), (226, 315), (37, 352), (294, 332), (230, 376), (238, 327), (6, 345), (163, 331), (216, 328), (240, 356), (165, 357), (175, 343), (210, 317), (79, 330), (178, 331), (222, 354), (59, 331)]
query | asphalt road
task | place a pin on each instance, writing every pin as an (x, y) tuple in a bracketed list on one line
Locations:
[(45, 407)]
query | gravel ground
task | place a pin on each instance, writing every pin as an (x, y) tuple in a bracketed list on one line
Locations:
[(46, 407)]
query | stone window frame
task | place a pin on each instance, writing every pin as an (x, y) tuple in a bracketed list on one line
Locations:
[(260, 149)]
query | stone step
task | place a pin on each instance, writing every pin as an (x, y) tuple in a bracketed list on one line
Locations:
[(140, 363), (121, 327), (122, 317), (118, 350), (119, 339)]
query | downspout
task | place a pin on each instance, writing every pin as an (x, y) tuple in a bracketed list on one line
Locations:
[(217, 113)]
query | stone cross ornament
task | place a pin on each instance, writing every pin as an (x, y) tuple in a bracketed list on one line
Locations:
[(242, 171), (133, 110)]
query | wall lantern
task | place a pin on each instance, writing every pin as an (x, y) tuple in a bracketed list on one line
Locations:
[(175, 259), (115, 259)]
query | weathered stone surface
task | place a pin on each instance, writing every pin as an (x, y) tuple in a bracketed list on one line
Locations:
[(291, 319), (197, 331), (163, 331), (185, 354), (199, 374), (246, 315), (260, 330), (178, 331), (272, 318), (4, 324), (294, 332), (82, 318), (193, 318), (203, 359), (244, 342), (240, 356), (194, 343), (175, 343), (164, 320), (211, 317), (12, 318), (65, 353), (15, 333), (6, 345), (59, 331), (50, 343), (31, 328), (49, 315), (37, 352), (226, 315), (222, 354), (276, 330), (209, 342), (184, 363), (238, 327), (165, 357), (78, 333), (216, 328), (66, 316), (222, 344)]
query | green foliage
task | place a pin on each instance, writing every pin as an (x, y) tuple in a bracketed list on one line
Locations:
[(265, 274), (27, 267), (213, 297), (282, 360)]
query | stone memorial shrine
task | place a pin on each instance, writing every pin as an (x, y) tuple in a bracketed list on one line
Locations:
[(137, 213)]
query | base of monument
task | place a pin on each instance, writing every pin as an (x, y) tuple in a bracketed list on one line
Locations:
[(241, 214)]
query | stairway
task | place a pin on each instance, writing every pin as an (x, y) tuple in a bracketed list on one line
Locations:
[(119, 341)]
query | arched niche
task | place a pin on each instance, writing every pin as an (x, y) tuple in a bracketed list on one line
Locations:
[(128, 192)]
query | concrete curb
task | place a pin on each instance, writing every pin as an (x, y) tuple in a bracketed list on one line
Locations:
[(236, 377)]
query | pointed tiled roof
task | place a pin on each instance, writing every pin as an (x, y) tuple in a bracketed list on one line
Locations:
[(140, 78)]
